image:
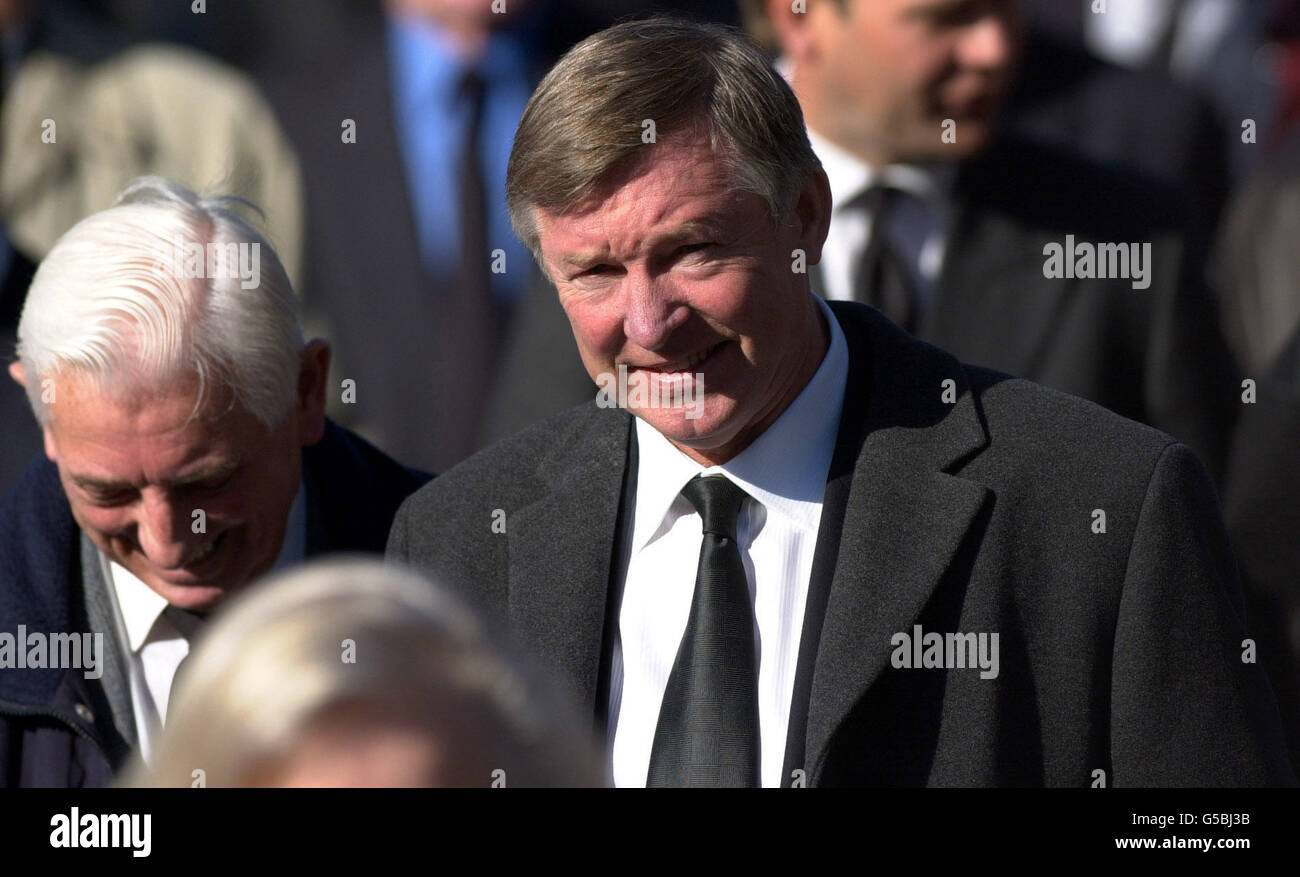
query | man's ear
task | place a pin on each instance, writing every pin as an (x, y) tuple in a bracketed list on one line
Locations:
[(313, 376), (793, 26), (19, 374), (811, 215)]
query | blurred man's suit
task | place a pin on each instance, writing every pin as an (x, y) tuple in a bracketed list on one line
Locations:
[(382, 241), (1262, 510), (1120, 650), (60, 729), (1154, 355)]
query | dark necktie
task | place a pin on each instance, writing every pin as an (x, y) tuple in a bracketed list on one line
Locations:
[(1162, 55), (884, 281), (707, 733), (189, 625), (468, 322)]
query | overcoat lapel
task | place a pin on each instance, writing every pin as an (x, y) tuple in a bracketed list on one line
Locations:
[(903, 522), (573, 528)]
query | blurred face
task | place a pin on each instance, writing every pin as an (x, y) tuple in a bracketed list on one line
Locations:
[(136, 472), (880, 77), (349, 750), (466, 23), (672, 273)]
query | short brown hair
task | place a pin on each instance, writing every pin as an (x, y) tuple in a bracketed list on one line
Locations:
[(585, 120)]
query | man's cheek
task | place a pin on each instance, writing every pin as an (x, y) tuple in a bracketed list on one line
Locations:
[(100, 524), (597, 339)]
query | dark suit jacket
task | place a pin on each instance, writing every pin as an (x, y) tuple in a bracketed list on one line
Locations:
[(1120, 651), (56, 729), (1070, 98), (20, 438), (1153, 355)]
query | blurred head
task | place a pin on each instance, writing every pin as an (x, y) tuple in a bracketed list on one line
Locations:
[(663, 177), (14, 13), (880, 77), (465, 23), (174, 388), (353, 673)]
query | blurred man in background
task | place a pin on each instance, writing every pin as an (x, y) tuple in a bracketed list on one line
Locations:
[(188, 453), (404, 128), (946, 222), (1259, 283), (1223, 49)]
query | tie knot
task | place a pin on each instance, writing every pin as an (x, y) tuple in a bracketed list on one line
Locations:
[(471, 87), (880, 199), (187, 623), (718, 500)]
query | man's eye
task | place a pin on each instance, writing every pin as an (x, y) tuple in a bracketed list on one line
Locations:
[(687, 249), (107, 499), (211, 486), (599, 270)]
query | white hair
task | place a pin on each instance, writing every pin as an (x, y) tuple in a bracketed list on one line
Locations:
[(120, 300)]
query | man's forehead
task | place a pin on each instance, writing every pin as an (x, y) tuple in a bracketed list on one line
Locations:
[(685, 192), (117, 456), (172, 423)]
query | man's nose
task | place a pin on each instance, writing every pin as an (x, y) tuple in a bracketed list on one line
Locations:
[(163, 532), (988, 43), (652, 313)]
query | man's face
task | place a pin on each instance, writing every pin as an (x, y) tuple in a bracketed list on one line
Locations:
[(880, 77), (672, 272), (136, 472)]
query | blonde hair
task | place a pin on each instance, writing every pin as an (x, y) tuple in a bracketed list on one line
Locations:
[(277, 661)]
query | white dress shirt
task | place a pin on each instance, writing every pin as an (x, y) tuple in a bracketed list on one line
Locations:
[(154, 647), (1128, 33), (784, 472), (918, 224)]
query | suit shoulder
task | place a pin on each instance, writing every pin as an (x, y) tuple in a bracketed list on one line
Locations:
[(505, 472), (1048, 425), (37, 544)]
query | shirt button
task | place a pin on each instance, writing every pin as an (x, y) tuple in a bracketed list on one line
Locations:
[(83, 712)]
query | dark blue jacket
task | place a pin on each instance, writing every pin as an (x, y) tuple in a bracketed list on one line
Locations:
[(56, 729)]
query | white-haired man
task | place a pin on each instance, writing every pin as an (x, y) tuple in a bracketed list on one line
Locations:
[(189, 453)]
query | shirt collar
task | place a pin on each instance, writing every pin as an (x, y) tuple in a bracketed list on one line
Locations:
[(784, 469), (850, 176), (424, 62), (141, 605)]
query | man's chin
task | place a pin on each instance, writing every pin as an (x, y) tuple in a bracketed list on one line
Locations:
[(699, 430), (194, 598)]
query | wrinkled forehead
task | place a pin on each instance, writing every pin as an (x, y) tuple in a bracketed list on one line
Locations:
[(682, 181), (129, 404)]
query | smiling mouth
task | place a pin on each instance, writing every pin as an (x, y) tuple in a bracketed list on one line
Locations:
[(683, 365), (206, 551)]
